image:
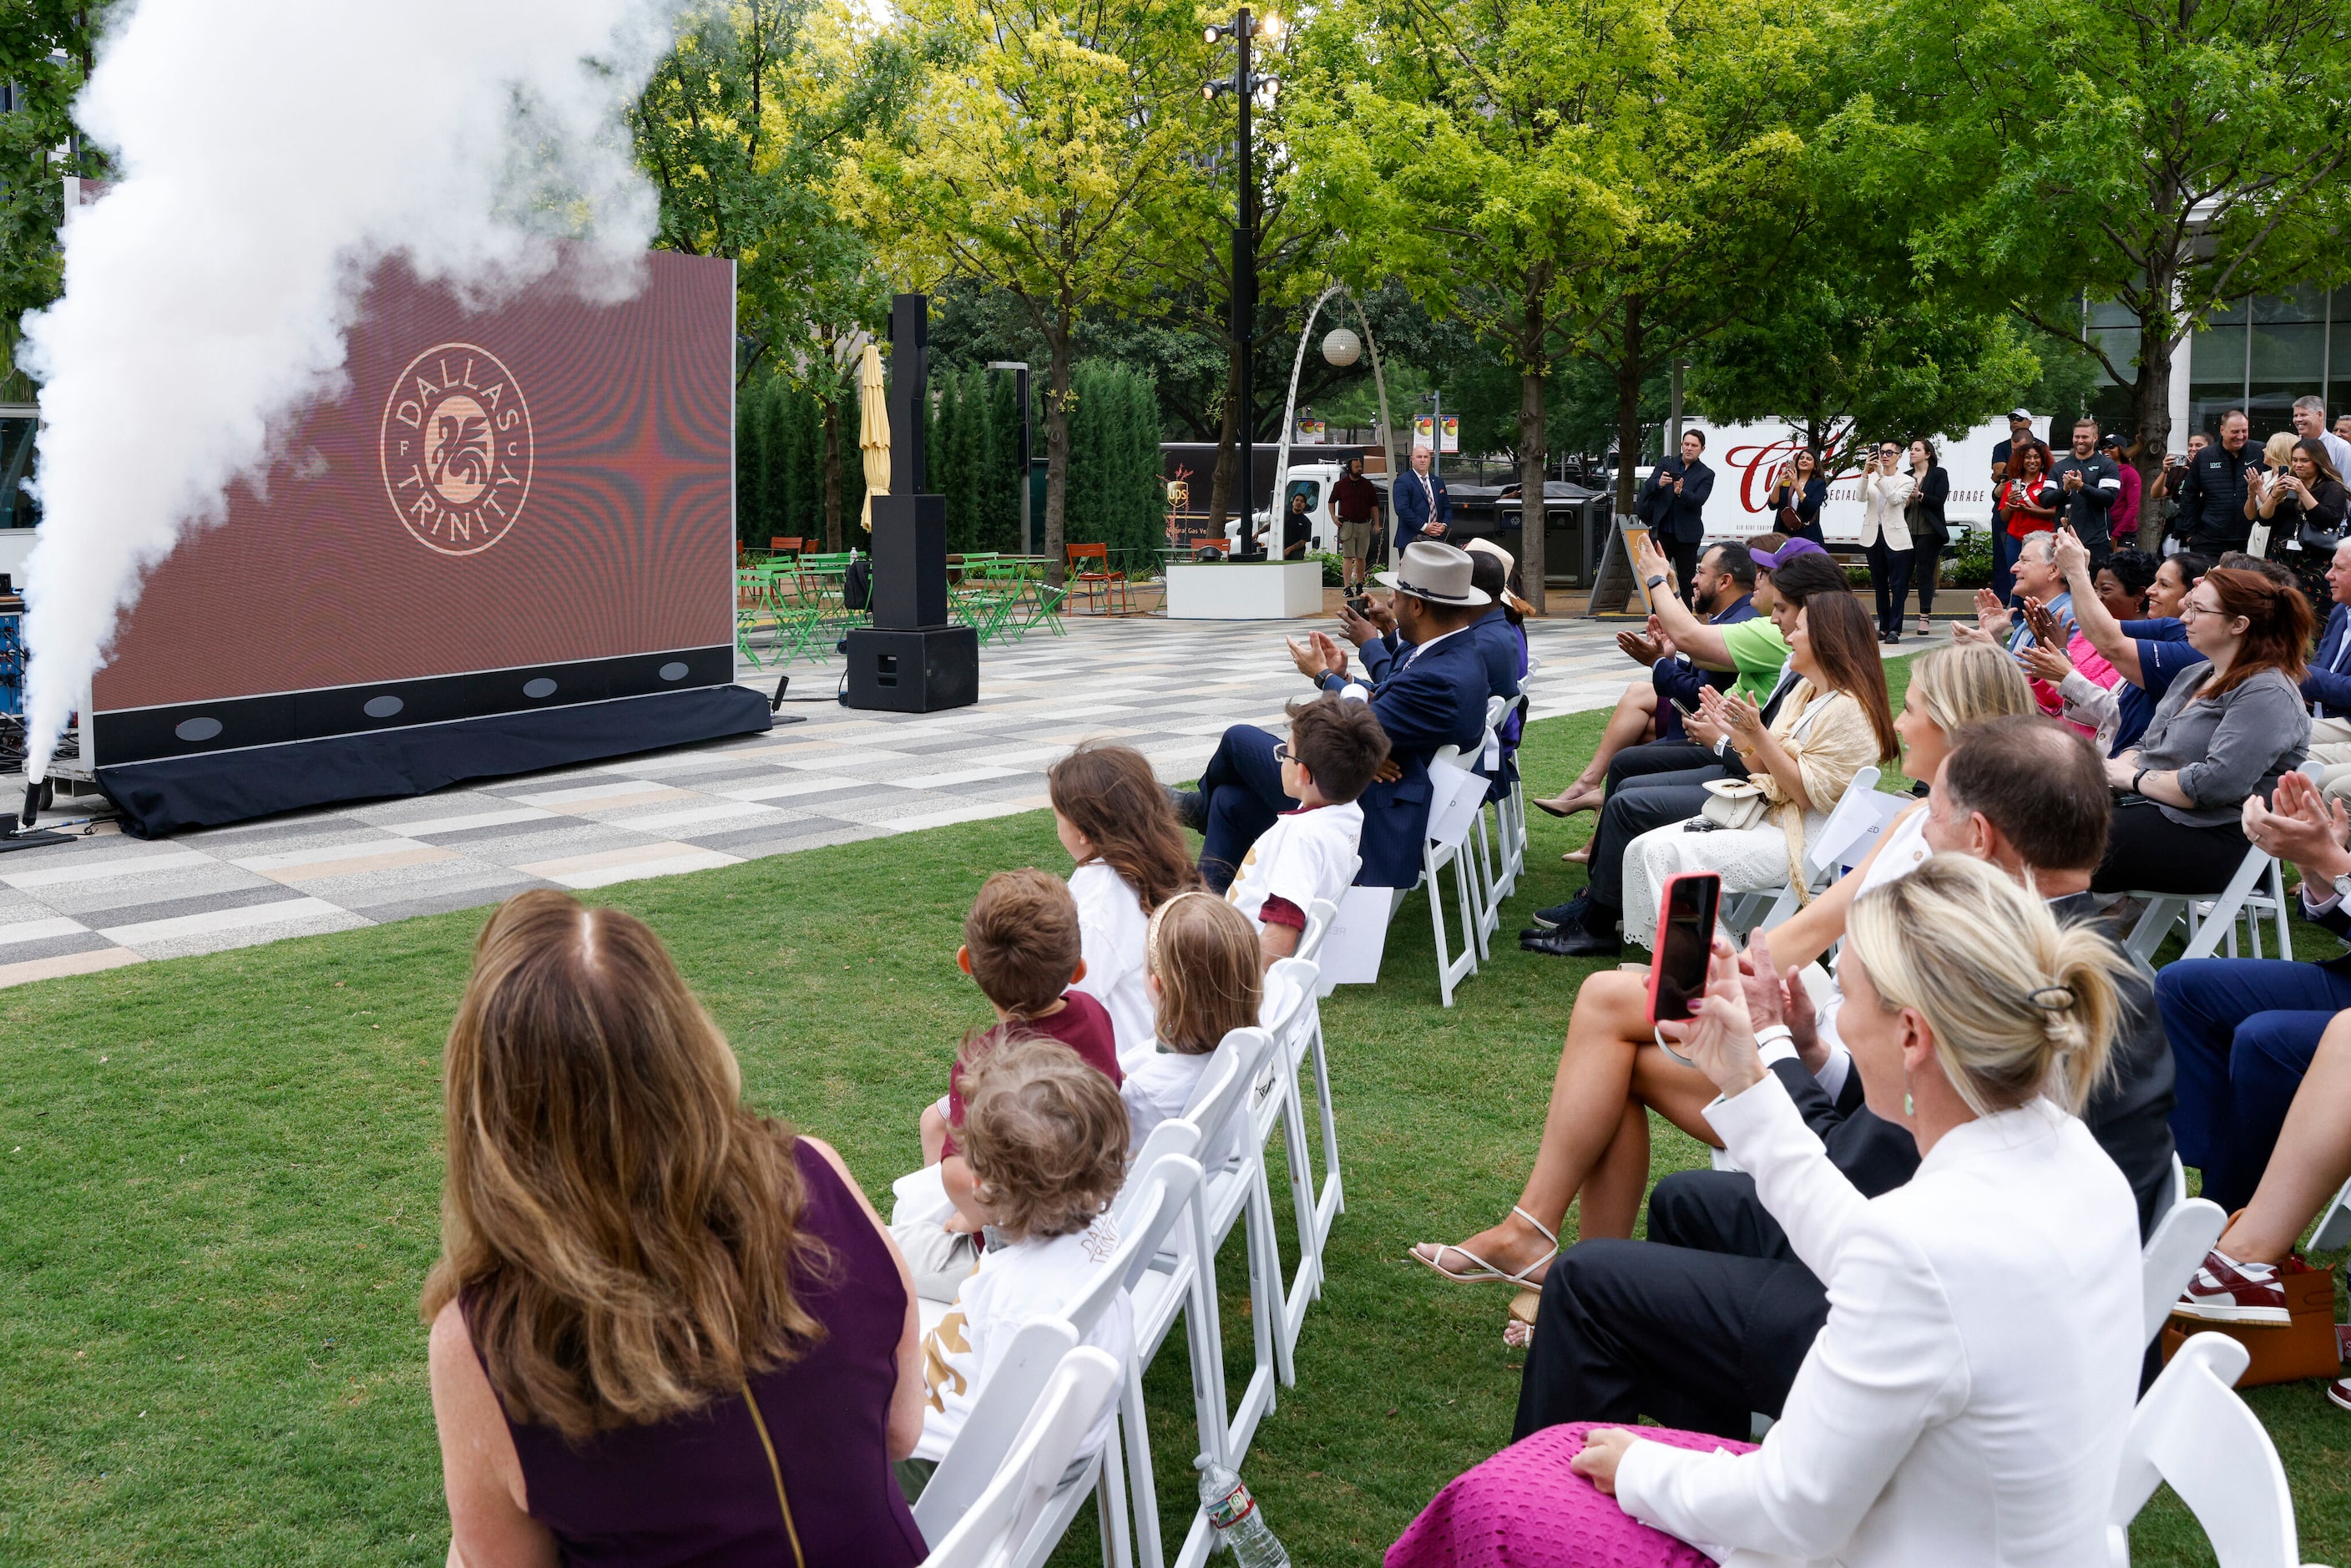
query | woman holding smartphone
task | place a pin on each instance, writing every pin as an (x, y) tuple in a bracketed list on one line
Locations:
[(2303, 503), (1797, 492)]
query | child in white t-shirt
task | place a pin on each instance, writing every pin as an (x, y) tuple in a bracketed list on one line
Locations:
[(1114, 817), (1206, 982), (1046, 1143), (1335, 748)]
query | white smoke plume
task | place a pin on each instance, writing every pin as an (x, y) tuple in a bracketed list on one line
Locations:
[(269, 154)]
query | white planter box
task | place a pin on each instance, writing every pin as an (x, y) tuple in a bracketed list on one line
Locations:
[(1244, 590)]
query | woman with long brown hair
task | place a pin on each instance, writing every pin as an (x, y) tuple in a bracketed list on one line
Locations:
[(1834, 722), (666, 1330), (1114, 817), (2226, 729)]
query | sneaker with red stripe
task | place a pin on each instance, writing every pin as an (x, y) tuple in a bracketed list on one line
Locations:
[(2227, 1292), (2338, 1393)]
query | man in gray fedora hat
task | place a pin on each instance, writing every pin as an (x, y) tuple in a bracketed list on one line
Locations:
[(1431, 694)]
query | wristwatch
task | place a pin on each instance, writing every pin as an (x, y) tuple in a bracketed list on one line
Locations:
[(2343, 885), (1656, 580)]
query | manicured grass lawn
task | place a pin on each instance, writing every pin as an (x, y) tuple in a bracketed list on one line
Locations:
[(219, 1180)]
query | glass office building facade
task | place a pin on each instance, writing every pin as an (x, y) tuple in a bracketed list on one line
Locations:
[(2259, 355)]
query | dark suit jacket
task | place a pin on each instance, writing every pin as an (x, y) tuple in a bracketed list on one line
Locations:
[(1679, 518), (1425, 701), (2323, 685), (1409, 500), (2212, 496)]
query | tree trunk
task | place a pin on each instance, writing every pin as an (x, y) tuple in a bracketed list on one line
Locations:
[(1057, 446), (1628, 408), (1533, 516), (2151, 407), (833, 476)]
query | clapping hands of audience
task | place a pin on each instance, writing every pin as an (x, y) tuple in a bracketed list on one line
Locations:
[(1719, 1036), (1772, 998), (1646, 648), (1992, 615), (1317, 657), (1732, 715), (2046, 657), (2300, 825), (2070, 555)]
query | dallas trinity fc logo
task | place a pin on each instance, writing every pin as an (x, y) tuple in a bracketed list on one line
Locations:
[(457, 449)]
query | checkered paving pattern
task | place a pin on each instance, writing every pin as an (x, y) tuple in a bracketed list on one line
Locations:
[(1168, 688)]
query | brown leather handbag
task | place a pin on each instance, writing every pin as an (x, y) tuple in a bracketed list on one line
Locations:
[(2305, 1347)]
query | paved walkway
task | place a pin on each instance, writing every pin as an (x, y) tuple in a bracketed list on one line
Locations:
[(1168, 688)]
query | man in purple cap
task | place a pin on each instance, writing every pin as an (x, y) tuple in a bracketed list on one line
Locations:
[(1665, 781)]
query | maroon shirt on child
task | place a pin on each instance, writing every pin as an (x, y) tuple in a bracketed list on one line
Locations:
[(1082, 1024)]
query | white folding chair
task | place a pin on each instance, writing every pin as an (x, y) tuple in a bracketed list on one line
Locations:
[(1493, 856), (1510, 818), (1288, 1017), (1456, 792), (1320, 912), (2334, 1227), (2211, 922), (1860, 814), (1156, 1201), (1330, 1202), (999, 1409), (2175, 1248), (2192, 1431), (994, 1531)]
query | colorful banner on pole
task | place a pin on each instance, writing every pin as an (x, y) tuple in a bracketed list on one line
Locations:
[(1424, 433), (1452, 434), (1310, 431)]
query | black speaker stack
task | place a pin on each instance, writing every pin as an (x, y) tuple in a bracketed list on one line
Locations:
[(911, 659)]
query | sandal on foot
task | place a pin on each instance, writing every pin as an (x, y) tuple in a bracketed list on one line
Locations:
[(1485, 1270)]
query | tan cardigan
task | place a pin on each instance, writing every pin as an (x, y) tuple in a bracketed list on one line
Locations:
[(1837, 745)]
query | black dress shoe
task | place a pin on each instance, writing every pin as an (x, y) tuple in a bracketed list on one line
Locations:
[(1191, 808), (1568, 914), (1573, 942)]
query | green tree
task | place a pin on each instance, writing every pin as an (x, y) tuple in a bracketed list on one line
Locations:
[(47, 48), (742, 129), (2171, 162), (1832, 353), (1587, 177), (1048, 154)]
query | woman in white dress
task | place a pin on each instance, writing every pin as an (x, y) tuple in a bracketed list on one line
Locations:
[(1113, 816), (1833, 724), (1610, 1074)]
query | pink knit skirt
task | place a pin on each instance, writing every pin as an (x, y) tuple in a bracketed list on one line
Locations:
[(1525, 1509)]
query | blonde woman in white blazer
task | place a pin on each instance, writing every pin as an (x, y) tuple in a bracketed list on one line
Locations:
[(1966, 1402), (1886, 491)]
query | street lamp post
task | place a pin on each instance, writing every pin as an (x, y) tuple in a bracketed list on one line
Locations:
[(1243, 86)]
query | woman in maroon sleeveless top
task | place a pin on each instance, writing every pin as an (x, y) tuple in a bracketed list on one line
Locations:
[(665, 1331)]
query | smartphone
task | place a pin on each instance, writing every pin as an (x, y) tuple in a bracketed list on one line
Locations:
[(1685, 943), (1682, 707), (1361, 603)]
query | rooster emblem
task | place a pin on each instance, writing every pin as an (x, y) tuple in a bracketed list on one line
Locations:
[(458, 449), (461, 448)]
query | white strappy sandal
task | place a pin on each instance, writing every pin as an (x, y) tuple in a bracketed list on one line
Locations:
[(1486, 1271)]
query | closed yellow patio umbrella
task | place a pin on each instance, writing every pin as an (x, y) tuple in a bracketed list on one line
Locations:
[(872, 431)]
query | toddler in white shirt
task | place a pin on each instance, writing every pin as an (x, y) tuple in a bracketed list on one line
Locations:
[(1205, 981), (1334, 750), (1047, 1142)]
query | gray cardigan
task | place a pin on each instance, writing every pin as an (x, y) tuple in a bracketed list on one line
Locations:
[(2225, 748)]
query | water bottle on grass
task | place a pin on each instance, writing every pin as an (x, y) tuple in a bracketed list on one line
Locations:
[(1234, 1519)]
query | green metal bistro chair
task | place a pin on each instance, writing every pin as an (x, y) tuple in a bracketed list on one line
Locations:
[(754, 611)]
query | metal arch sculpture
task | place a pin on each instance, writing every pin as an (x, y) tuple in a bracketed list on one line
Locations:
[(1277, 504)]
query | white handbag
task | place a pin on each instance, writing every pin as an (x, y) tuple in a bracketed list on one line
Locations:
[(1734, 803)]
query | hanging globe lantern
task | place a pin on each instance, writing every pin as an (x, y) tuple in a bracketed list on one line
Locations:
[(1342, 346)]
